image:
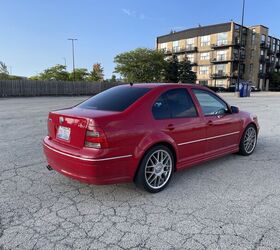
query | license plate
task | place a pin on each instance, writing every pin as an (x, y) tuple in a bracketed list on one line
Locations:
[(63, 133)]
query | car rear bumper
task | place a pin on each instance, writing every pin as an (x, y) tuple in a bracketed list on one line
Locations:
[(97, 171)]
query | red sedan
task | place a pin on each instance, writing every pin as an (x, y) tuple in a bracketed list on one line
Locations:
[(144, 133)]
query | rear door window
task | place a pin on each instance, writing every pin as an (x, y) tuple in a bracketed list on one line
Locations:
[(114, 99), (160, 108), (175, 103)]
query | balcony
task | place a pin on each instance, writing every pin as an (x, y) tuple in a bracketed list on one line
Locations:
[(220, 44), (262, 75), (236, 58), (225, 44), (262, 59), (180, 50), (219, 75), (167, 51), (190, 49), (264, 45), (268, 61), (270, 52), (193, 63), (220, 59)]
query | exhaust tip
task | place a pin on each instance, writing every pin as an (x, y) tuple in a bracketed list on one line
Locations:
[(49, 167)]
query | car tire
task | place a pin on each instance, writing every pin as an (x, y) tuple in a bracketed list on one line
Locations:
[(248, 141), (156, 169)]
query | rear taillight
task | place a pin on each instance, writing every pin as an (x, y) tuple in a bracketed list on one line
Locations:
[(49, 126), (95, 138)]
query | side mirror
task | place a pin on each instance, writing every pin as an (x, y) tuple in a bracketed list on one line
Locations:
[(234, 110)]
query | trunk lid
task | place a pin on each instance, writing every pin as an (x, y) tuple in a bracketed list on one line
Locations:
[(69, 126)]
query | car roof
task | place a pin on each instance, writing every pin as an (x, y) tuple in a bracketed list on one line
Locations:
[(163, 85)]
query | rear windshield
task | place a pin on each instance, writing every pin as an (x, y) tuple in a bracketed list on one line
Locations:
[(114, 99)]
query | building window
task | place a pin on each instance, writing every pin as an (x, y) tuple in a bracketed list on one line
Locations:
[(190, 57), (190, 43), (163, 46), (273, 44), (262, 52), (251, 68), (203, 70), (221, 69), (175, 45), (205, 41), (222, 38), (205, 56), (261, 68), (268, 41), (263, 38), (221, 55)]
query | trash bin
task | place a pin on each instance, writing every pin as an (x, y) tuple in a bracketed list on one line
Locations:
[(245, 89), (242, 90), (249, 89)]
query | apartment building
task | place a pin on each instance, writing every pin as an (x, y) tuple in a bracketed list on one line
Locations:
[(214, 53)]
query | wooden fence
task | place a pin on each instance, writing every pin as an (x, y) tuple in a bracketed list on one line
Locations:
[(50, 88)]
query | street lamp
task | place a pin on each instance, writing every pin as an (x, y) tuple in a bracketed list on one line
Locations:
[(73, 55), (240, 48)]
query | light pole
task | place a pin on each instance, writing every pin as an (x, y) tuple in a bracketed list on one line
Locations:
[(73, 55), (240, 48)]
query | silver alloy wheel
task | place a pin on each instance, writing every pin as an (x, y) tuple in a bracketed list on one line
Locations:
[(158, 169), (250, 140)]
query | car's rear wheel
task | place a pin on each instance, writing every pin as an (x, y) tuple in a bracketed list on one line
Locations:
[(156, 169), (248, 141)]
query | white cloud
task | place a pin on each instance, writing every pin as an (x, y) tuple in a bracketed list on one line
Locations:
[(135, 14), (128, 12)]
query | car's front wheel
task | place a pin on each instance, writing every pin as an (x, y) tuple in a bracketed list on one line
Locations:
[(156, 169), (248, 141)]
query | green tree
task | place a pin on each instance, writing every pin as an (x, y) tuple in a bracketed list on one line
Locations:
[(57, 72), (81, 74), (4, 73), (96, 74), (185, 73), (113, 79), (172, 70), (140, 65)]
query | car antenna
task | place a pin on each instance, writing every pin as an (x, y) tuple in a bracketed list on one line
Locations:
[(131, 84)]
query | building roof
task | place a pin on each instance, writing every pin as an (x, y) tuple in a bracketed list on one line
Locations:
[(194, 32)]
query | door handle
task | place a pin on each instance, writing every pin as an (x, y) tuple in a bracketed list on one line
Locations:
[(210, 123), (170, 127)]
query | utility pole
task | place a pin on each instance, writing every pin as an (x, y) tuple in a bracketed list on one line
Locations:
[(240, 48), (73, 55)]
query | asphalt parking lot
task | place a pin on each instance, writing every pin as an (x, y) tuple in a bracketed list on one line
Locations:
[(228, 203)]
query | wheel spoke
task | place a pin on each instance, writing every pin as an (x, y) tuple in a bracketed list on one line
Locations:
[(158, 169), (250, 140)]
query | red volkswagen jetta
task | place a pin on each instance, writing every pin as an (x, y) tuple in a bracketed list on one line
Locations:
[(145, 132)]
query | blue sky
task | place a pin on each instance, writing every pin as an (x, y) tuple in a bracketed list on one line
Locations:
[(34, 32)]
